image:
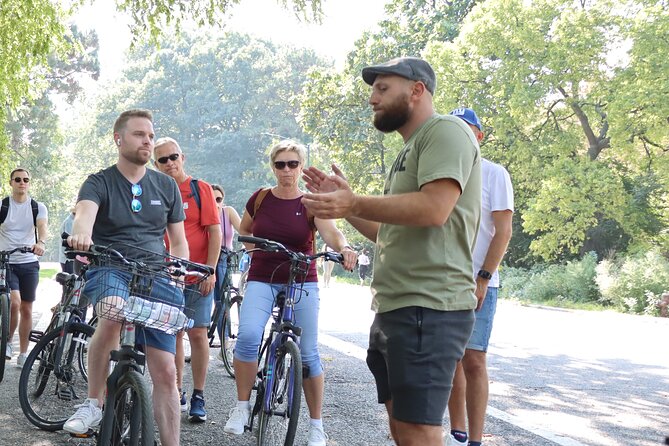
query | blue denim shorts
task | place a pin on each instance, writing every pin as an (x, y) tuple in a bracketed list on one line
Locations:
[(483, 325), (103, 282), (198, 307)]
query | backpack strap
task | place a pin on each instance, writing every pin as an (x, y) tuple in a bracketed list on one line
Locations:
[(4, 210), (35, 209), (195, 192), (259, 198)]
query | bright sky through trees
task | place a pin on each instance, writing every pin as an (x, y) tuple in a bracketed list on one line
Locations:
[(344, 21)]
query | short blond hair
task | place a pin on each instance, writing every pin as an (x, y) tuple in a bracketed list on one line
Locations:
[(288, 145), (166, 140)]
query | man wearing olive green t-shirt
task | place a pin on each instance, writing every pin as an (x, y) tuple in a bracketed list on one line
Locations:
[(425, 227)]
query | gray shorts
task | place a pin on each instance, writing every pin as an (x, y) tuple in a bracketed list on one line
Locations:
[(412, 354)]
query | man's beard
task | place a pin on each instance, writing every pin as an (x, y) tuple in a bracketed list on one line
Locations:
[(394, 116), (136, 158)]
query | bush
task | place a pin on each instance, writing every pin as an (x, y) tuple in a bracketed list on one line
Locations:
[(573, 281), (636, 283)]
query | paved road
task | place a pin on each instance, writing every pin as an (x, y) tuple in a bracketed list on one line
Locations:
[(558, 377)]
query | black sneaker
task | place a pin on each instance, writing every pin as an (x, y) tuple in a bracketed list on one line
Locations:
[(197, 413)]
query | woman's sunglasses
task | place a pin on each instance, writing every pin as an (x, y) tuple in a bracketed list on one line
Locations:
[(18, 180), (219, 199), (280, 165), (172, 157)]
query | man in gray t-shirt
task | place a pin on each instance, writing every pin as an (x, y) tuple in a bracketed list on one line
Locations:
[(128, 203)]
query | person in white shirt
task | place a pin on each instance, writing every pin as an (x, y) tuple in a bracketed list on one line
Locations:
[(21, 228), (363, 266), (470, 384)]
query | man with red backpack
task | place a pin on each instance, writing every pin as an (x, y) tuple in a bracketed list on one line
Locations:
[(203, 233)]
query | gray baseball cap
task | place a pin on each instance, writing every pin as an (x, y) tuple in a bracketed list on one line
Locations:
[(411, 68)]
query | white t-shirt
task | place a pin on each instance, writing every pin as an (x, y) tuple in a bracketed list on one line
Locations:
[(496, 195), (363, 259), (17, 230)]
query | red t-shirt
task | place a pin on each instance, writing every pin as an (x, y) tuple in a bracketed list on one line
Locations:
[(197, 220), (286, 222)]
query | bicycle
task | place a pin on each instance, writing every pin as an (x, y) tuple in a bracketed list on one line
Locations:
[(128, 410), (54, 377), (225, 318), (5, 304), (279, 382)]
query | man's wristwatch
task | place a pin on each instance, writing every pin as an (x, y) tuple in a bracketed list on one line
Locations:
[(483, 274)]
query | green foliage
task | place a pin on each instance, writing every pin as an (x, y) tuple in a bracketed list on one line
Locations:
[(29, 33), (157, 16), (548, 77), (226, 99), (573, 282), (572, 198), (634, 284)]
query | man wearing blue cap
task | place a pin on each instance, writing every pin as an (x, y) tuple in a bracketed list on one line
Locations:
[(424, 226), (470, 385)]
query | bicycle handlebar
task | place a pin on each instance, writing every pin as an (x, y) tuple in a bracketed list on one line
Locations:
[(264, 244), (23, 249), (176, 266)]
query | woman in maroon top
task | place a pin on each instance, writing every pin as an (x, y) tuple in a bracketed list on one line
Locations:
[(282, 217)]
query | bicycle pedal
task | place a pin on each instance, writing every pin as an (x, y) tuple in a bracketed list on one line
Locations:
[(66, 393), (35, 335), (90, 434)]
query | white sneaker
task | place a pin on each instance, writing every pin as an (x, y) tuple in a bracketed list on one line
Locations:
[(238, 419), (452, 441), (21, 359), (9, 352), (317, 436), (88, 415)]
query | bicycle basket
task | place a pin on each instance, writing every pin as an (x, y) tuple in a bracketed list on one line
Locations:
[(149, 295)]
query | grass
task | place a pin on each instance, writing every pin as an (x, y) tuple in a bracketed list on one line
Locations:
[(47, 273), (562, 303)]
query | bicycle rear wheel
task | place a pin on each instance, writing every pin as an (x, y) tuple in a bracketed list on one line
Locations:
[(4, 331), (128, 415), (54, 377), (230, 331), (278, 422)]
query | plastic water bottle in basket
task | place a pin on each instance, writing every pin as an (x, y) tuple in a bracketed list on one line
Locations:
[(158, 315)]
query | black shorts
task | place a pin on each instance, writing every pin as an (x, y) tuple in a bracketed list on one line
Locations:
[(24, 278), (412, 354), (362, 271)]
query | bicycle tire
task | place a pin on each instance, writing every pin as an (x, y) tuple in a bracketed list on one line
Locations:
[(230, 332), (4, 331), (279, 425), (128, 415), (47, 397)]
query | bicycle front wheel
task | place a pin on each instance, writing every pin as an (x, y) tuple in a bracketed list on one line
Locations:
[(54, 378), (230, 331), (128, 415), (278, 421), (4, 331)]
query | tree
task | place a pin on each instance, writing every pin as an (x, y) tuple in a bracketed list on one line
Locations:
[(223, 98), (556, 100), (29, 33), (32, 32)]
